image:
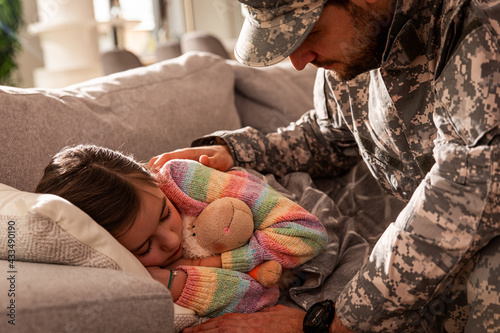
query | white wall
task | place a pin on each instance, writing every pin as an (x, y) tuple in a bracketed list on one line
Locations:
[(176, 21), (221, 17)]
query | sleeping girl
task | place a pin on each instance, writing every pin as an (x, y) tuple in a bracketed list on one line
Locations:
[(144, 212)]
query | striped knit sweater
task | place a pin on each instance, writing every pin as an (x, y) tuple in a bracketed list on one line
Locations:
[(284, 231)]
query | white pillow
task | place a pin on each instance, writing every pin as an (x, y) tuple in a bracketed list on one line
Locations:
[(45, 228)]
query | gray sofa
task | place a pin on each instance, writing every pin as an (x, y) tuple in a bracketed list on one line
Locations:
[(66, 274)]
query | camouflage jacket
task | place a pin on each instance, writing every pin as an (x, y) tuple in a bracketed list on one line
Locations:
[(427, 125)]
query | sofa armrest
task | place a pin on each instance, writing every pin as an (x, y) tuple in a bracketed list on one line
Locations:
[(57, 298)]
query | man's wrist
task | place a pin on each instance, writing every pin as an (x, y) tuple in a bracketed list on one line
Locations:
[(209, 140), (216, 141), (337, 326)]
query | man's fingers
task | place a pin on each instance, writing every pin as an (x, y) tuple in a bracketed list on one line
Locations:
[(276, 319), (229, 322), (157, 162), (216, 157), (215, 162), (208, 326), (205, 160), (152, 162)]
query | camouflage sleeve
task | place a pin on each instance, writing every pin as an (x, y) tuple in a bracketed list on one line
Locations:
[(318, 143), (454, 212)]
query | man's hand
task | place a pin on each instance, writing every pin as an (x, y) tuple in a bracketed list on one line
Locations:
[(271, 320), (216, 157), (338, 327)]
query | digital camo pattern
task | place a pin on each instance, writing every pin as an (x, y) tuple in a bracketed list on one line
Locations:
[(427, 125), (273, 29), (484, 302)]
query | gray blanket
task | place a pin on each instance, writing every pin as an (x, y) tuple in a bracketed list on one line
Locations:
[(355, 212)]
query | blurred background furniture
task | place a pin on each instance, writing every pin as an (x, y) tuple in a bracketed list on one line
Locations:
[(204, 42), (119, 60), (137, 26), (69, 41), (168, 50)]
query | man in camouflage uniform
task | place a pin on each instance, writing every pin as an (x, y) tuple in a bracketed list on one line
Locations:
[(413, 88)]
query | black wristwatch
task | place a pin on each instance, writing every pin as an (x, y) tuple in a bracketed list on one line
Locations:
[(319, 317)]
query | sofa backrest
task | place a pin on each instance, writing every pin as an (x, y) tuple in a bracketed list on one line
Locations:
[(144, 111), (270, 97)]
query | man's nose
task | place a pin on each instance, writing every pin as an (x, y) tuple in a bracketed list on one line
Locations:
[(301, 57)]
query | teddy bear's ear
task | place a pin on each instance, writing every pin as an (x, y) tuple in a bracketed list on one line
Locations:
[(224, 225)]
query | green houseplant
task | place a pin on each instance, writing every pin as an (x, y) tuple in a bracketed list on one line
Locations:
[(10, 23)]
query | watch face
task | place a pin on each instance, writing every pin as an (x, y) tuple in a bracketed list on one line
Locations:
[(316, 314), (319, 317)]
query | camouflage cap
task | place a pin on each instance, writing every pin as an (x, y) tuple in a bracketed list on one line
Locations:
[(273, 29)]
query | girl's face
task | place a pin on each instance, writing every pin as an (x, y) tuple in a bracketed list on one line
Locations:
[(155, 237)]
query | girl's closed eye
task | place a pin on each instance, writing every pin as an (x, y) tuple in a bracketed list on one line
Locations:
[(145, 253), (163, 219), (167, 216)]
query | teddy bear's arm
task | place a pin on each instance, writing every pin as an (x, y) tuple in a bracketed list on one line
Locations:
[(284, 231), (212, 292)]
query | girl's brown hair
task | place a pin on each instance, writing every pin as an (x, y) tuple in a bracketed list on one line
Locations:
[(100, 182)]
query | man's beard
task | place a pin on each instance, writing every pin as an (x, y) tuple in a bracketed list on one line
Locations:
[(364, 50)]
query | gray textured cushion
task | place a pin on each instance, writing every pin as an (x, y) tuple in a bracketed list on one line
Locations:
[(270, 97), (56, 298), (144, 111), (46, 228)]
